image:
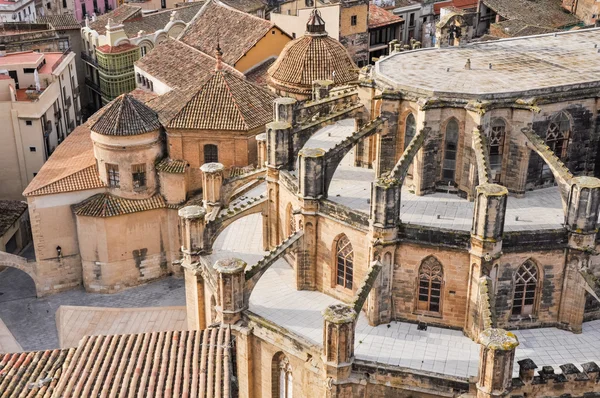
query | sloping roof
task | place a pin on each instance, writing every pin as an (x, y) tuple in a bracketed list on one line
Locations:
[(179, 65), (79, 181), (379, 17), (236, 31), (546, 13), (172, 166), (118, 15), (226, 102), (461, 4), (125, 115), (10, 211), (60, 22), (249, 6), (179, 364), (259, 75), (32, 374), (314, 56), (107, 205), (152, 22), (517, 28)]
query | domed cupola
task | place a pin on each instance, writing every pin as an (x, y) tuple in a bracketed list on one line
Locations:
[(127, 143), (314, 56)]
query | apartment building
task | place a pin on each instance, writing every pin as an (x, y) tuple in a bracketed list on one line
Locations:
[(17, 11), (39, 107)]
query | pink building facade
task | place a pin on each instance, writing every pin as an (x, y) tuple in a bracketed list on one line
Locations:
[(91, 7)]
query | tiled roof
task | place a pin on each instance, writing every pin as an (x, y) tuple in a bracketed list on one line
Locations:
[(174, 364), (259, 74), (172, 166), (546, 13), (461, 4), (309, 58), (143, 95), (108, 49), (249, 6), (31, 374), (226, 102), (517, 28), (236, 31), (107, 205), (10, 211), (125, 115), (152, 22), (379, 17), (118, 15), (69, 163), (168, 105), (60, 22), (179, 65)]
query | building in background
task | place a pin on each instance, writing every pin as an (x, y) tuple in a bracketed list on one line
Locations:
[(384, 27), (17, 11), (114, 41), (15, 232), (34, 119), (347, 21), (586, 10)]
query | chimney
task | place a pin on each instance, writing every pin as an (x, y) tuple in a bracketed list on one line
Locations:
[(2, 50), (219, 57)]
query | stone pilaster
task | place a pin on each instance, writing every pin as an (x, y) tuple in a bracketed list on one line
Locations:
[(580, 220), (385, 203), (486, 245), (272, 233), (306, 254), (231, 289), (338, 341), (283, 110), (496, 362), (321, 89), (388, 138), (261, 143), (311, 173), (192, 242), (279, 142), (212, 181)]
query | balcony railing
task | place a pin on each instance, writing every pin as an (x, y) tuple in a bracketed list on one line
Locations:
[(89, 59), (57, 114), (68, 102), (61, 59), (47, 128), (76, 92), (93, 85)]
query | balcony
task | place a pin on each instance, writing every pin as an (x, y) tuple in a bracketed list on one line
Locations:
[(76, 92), (71, 125), (68, 102), (48, 128), (89, 59), (57, 114), (91, 84), (61, 59)]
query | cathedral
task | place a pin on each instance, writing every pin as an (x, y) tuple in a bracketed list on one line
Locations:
[(421, 224)]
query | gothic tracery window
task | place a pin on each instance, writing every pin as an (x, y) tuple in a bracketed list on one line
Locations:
[(344, 262), (496, 147), (451, 144), (410, 129), (282, 377), (526, 281), (557, 139), (431, 276)]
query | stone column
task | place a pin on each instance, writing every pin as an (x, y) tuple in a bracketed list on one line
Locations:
[(311, 173), (338, 341), (283, 110), (385, 203), (279, 145), (580, 220), (261, 143), (496, 363), (306, 254), (212, 181), (231, 289), (321, 89), (192, 233), (388, 138), (486, 245)]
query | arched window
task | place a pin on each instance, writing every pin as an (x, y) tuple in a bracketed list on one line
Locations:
[(282, 377), (557, 136), (410, 129), (344, 262), (449, 165), (211, 153), (526, 281), (431, 276), (496, 147)]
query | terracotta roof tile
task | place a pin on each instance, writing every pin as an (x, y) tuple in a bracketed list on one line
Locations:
[(460, 4), (60, 22), (314, 56), (107, 205), (81, 180), (152, 22), (125, 115), (172, 166), (236, 31), (32, 374), (178, 364), (249, 6), (10, 211), (226, 102), (259, 74), (545, 13), (118, 15), (108, 49), (179, 65), (379, 17)]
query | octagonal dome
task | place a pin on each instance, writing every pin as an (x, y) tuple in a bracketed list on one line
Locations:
[(314, 56)]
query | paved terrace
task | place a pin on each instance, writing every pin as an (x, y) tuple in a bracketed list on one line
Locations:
[(439, 350), (519, 65), (351, 187)]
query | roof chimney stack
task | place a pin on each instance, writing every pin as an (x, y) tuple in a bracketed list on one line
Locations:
[(219, 57)]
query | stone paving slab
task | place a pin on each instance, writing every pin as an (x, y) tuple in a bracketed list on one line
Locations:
[(74, 322)]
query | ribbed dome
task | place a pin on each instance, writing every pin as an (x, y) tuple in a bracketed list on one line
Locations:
[(314, 56)]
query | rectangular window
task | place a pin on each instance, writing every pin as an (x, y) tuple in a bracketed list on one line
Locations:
[(139, 175), (353, 20), (28, 122), (32, 149), (49, 5), (28, 70), (112, 171), (64, 3), (411, 20)]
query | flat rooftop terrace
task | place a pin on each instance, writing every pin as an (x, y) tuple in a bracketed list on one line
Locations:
[(351, 187), (439, 350), (519, 66)]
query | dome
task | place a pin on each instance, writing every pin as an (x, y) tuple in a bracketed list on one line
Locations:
[(314, 56), (126, 116)]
